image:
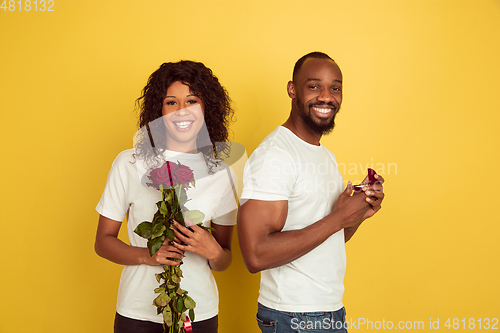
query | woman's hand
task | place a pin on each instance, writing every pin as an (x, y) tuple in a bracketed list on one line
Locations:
[(198, 241), (108, 246), (216, 248), (165, 255)]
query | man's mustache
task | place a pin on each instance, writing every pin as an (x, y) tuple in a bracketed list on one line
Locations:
[(329, 104)]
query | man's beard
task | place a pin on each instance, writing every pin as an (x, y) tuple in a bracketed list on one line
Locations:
[(322, 128)]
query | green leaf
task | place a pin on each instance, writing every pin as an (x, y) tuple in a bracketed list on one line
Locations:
[(163, 208), (155, 244), (158, 230), (144, 229), (191, 314), (179, 218), (170, 234), (164, 298), (159, 289), (167, 315), (161, 300), (194, 215), (158, 218), (182, 197), (180, 305), (180, 291), (178, 271), (168, 198), (189, 303), (158, 277), (176, 279)]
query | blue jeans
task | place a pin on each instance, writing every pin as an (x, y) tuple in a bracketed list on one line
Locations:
[(274, 321)]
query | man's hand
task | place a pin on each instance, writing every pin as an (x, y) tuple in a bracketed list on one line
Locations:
[(350, 209), (263, 243), (374, 196)]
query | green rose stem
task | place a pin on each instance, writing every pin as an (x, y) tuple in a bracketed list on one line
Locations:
[(172, 301)]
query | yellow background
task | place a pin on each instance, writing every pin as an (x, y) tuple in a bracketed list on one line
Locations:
[(421, 103)]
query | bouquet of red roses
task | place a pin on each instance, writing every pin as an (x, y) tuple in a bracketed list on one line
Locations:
[(173, 180)]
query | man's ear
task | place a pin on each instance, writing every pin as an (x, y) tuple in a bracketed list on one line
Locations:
[(291, 89)]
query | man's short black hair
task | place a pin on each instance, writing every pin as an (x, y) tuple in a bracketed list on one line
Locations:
[(298, 64)]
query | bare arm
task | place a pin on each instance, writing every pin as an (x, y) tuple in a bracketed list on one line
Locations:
[(349, 232), (265, 246), (223, 235), (108, 246)]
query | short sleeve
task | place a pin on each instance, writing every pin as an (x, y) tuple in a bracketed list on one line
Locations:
[(270, 174), (113, 203), (227, 209)]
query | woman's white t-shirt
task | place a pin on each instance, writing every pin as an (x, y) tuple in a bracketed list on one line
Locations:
[(126, 195)]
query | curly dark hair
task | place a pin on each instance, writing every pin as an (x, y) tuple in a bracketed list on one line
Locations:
[(217, 109)]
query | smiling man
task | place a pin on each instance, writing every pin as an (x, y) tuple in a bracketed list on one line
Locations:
[(295, 214)]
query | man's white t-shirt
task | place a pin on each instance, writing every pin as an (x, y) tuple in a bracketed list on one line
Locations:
[(124, 195), (284, 167)]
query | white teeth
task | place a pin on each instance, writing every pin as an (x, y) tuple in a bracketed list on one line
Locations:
[(183, 124), (323, 110)]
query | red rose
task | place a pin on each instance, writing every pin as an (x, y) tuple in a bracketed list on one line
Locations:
[(169, 174), (183, 175), (161, 175)]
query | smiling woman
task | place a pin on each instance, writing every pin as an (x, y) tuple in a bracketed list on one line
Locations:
[(183, 117), (184, 114), (175, 86)]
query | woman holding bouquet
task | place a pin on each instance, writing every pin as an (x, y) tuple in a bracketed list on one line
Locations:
[(184, 115)]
